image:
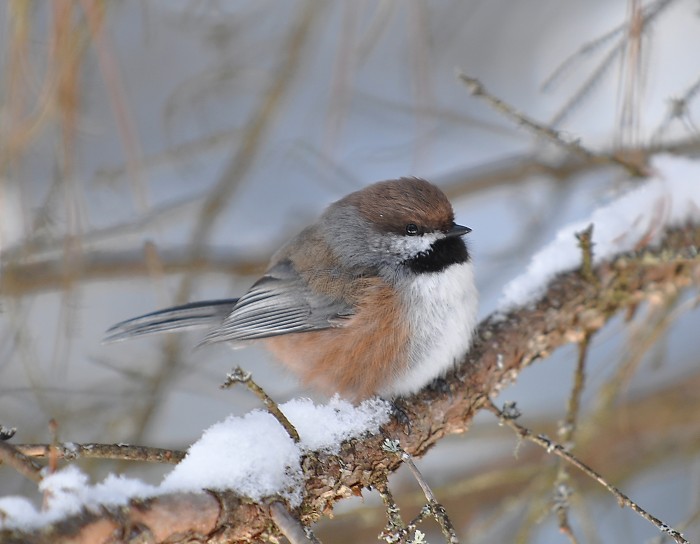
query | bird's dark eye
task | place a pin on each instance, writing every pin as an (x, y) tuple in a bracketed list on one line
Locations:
[(411, 229)]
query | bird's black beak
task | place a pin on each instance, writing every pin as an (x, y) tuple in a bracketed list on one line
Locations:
[(457, 230)]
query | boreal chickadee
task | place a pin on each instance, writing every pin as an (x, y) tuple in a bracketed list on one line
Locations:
[(376, 297)]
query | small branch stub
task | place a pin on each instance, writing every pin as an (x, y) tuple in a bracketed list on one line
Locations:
[(585, 242), (238, 375)]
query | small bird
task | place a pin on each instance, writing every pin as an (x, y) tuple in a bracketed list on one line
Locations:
[(375, 298)]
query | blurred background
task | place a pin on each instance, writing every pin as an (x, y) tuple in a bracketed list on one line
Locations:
[(153, 153)]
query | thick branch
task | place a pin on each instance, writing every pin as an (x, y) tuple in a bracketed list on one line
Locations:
[(571, 308)]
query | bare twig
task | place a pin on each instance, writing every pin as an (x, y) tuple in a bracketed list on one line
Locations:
[(621, 33), (556, 137), (123, 452), (395, 525), (254, 135), (566, 432), (561, 452), (568, 429), (433, 507), (693, 518), (654, 325), (650, 12), (632, 76), (109, 67), (477, 89), (238, 375), (255, 132), (20, 462), (290, 526), (678, 109), (569, 63), (51, 274), (396, 530), (562, 492)]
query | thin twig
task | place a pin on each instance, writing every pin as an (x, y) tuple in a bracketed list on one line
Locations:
[(238, 375), (574, 404), (255, 133), (649, 13), (20, 462), (123, 452), (408, 460), (114, 83), (396, 530), (290, 526), (566, 432), (433, 506), (693, 518), (653, 326), (562, 492), (50, 274), (557, 449), (395, 525), (596, 76), (254, 136), (477, 89), (569, 64), (632, 75), (678, 109)]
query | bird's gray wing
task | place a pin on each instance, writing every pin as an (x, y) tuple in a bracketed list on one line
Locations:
[(187, 316), (279, 303)]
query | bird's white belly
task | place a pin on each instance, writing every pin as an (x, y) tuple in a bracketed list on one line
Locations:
[(442, 312)]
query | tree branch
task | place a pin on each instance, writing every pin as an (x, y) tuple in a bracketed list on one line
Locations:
[(571, 308), (52, 273), (125, 452)]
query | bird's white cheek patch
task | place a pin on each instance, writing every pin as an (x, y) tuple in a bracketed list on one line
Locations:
[(442, 312), (410, 246)]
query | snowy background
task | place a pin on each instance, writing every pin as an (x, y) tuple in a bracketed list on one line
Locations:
[(112, 142)]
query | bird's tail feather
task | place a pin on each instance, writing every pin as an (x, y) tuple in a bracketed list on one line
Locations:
[(187, 316)]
